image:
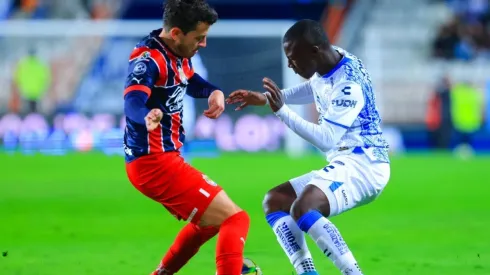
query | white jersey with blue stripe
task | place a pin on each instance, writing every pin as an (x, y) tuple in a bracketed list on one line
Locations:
[(349, 119)]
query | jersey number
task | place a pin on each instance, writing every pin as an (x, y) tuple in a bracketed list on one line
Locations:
[(346, 90)]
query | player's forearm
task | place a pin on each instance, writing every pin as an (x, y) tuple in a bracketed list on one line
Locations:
[(300, 94), (322, 137), (200, 88), (135, 106)]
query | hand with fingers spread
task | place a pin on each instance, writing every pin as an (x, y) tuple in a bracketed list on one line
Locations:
[(153, 119), (216, 103), (273, 94), (245, 98)]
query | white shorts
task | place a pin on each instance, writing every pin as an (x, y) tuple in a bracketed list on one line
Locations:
[(348, 181)]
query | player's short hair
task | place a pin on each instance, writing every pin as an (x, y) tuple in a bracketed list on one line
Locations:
[(309, 30), (186, 14)]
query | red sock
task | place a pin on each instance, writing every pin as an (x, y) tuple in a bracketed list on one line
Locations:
[(231, 242), (186, 245)]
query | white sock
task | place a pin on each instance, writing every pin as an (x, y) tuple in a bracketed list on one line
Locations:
[(328, 238), (292, 241)]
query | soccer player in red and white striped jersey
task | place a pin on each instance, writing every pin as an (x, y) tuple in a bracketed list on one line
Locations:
[(160, 73)]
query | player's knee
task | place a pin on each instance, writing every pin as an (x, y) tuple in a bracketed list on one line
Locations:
[(279, 198), (299, 208), (271, 202), (220, 209), (312, 199), (240, 221), (245, 217)]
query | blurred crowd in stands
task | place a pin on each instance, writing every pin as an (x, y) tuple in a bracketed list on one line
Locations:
[(467, 35), (58, 9), (455, 115)]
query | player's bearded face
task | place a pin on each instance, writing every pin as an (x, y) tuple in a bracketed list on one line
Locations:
[(190, 43)]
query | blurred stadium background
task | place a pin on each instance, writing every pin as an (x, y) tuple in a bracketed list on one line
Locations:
[(67, 207)]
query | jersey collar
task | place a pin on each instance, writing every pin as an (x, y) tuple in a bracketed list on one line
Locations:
[(340, 64)]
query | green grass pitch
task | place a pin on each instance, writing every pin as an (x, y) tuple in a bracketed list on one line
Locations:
[(78, 214)]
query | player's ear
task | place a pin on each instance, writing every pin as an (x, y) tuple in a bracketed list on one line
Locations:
[(175, 33)]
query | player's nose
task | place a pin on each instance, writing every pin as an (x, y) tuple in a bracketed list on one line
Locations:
[(203, 43)]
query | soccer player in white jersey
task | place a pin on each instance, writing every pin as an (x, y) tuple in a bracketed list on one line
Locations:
[(348, 131)]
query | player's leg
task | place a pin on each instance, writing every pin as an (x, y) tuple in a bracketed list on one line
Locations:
[(233, 225), (168, 180), (306, 212), (349, 182), (190, 195), (221, 215), (185, 246), (277, 204), (199, 200)]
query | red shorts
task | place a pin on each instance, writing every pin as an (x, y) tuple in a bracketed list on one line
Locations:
[(169, 180)]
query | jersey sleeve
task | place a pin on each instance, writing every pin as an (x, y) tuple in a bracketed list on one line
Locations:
[(300, 94), (346, 102), (143, 72), (200, 88), (323, 136)]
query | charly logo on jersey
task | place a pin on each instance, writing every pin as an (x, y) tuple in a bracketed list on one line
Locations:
[(139, 68), (175, 100)]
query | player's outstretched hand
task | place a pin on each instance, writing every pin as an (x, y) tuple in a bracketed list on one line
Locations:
[(273, 94), (245, 98), (216, 103), (153, 119)]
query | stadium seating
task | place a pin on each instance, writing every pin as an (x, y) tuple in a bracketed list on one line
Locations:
[(404, 77)]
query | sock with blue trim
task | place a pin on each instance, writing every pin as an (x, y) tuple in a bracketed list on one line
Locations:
[(292, 241), (328, 238)]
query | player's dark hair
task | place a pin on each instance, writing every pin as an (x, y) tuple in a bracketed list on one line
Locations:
[(186, 14), (309, 30)]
